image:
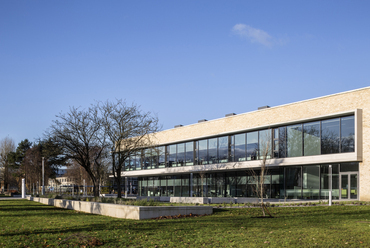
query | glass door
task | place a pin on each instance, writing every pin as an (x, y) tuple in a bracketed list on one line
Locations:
[(349, 186)]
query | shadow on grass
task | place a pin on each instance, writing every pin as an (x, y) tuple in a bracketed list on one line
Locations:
[(222, 219), (218, 210)]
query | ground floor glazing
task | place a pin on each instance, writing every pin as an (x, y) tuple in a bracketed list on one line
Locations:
[(291, 182)]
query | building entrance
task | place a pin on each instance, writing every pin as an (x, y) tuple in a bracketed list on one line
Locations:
[(349, 186)]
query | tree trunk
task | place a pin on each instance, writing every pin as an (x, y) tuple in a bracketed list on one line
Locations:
[(118, 182), (95, 189)]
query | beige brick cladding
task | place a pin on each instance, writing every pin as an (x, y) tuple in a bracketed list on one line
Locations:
[(294, 112)]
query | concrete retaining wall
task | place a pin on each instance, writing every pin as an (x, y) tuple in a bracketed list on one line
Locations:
[(155, 198), (123, 211), (203, 200)]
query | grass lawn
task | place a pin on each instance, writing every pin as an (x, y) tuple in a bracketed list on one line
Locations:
[(25, 223)]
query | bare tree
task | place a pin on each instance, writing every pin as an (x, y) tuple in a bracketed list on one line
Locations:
[(258, 178), (77, 175), (79, 134), (128, 130), (6, 147), (202, 175)]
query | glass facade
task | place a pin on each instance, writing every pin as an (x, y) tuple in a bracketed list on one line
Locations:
[(291, 182), (329, 136), (326, 136), (311, 138)]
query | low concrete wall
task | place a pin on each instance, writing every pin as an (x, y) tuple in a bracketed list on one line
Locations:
[(202, 200), (155, 198), (194, 200), (123, 211)]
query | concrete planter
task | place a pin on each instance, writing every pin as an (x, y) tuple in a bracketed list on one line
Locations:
[(123, 211), (202, 200)]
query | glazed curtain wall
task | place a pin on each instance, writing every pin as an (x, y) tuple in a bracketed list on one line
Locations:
[(328, 136), (292, 182)]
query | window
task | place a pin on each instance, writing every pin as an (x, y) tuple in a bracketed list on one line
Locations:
[(202, 152), (294, 140), (304, 139), (171, 155), (212, 151), (264, 144), (239, 147), (147, 163), (330, 136), (311, 138), (293, 182), (347, 134), (189, 155), (252, 145), (161, 156), (180, 161), (223, 149)]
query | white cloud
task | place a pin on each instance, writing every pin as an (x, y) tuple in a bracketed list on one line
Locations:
[(253, 34)]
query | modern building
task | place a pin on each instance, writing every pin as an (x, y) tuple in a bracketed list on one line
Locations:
[(221, 158), (61, 182)]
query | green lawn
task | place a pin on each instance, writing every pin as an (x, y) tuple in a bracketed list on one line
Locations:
[(29, 224)]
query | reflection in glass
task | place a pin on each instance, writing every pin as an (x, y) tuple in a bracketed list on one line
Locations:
[(196, 186), (293, 182), (353, 190), (170, 189), (189, 156), (202, 152), (144, 187), (325, 181), (220, 184), (330, 136), (150, 186), (211, 187), (241, 181), (282, 142), (156, 186), (223, 145), (163, 186), (231, 184), (161, 156), (140, 186), (275, 143), (347, 134), (252, 145), (252, 184), (171, 155), (275, 183), (311, 182), (212, 151), (137, 160), (311, 138), (239, 147), (127, 164), (265, 144), (344, 186), (180, 158), (294, 140), (185, 188), (147, 161)]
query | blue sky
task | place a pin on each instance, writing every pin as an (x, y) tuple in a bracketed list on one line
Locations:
[(183, 60)]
